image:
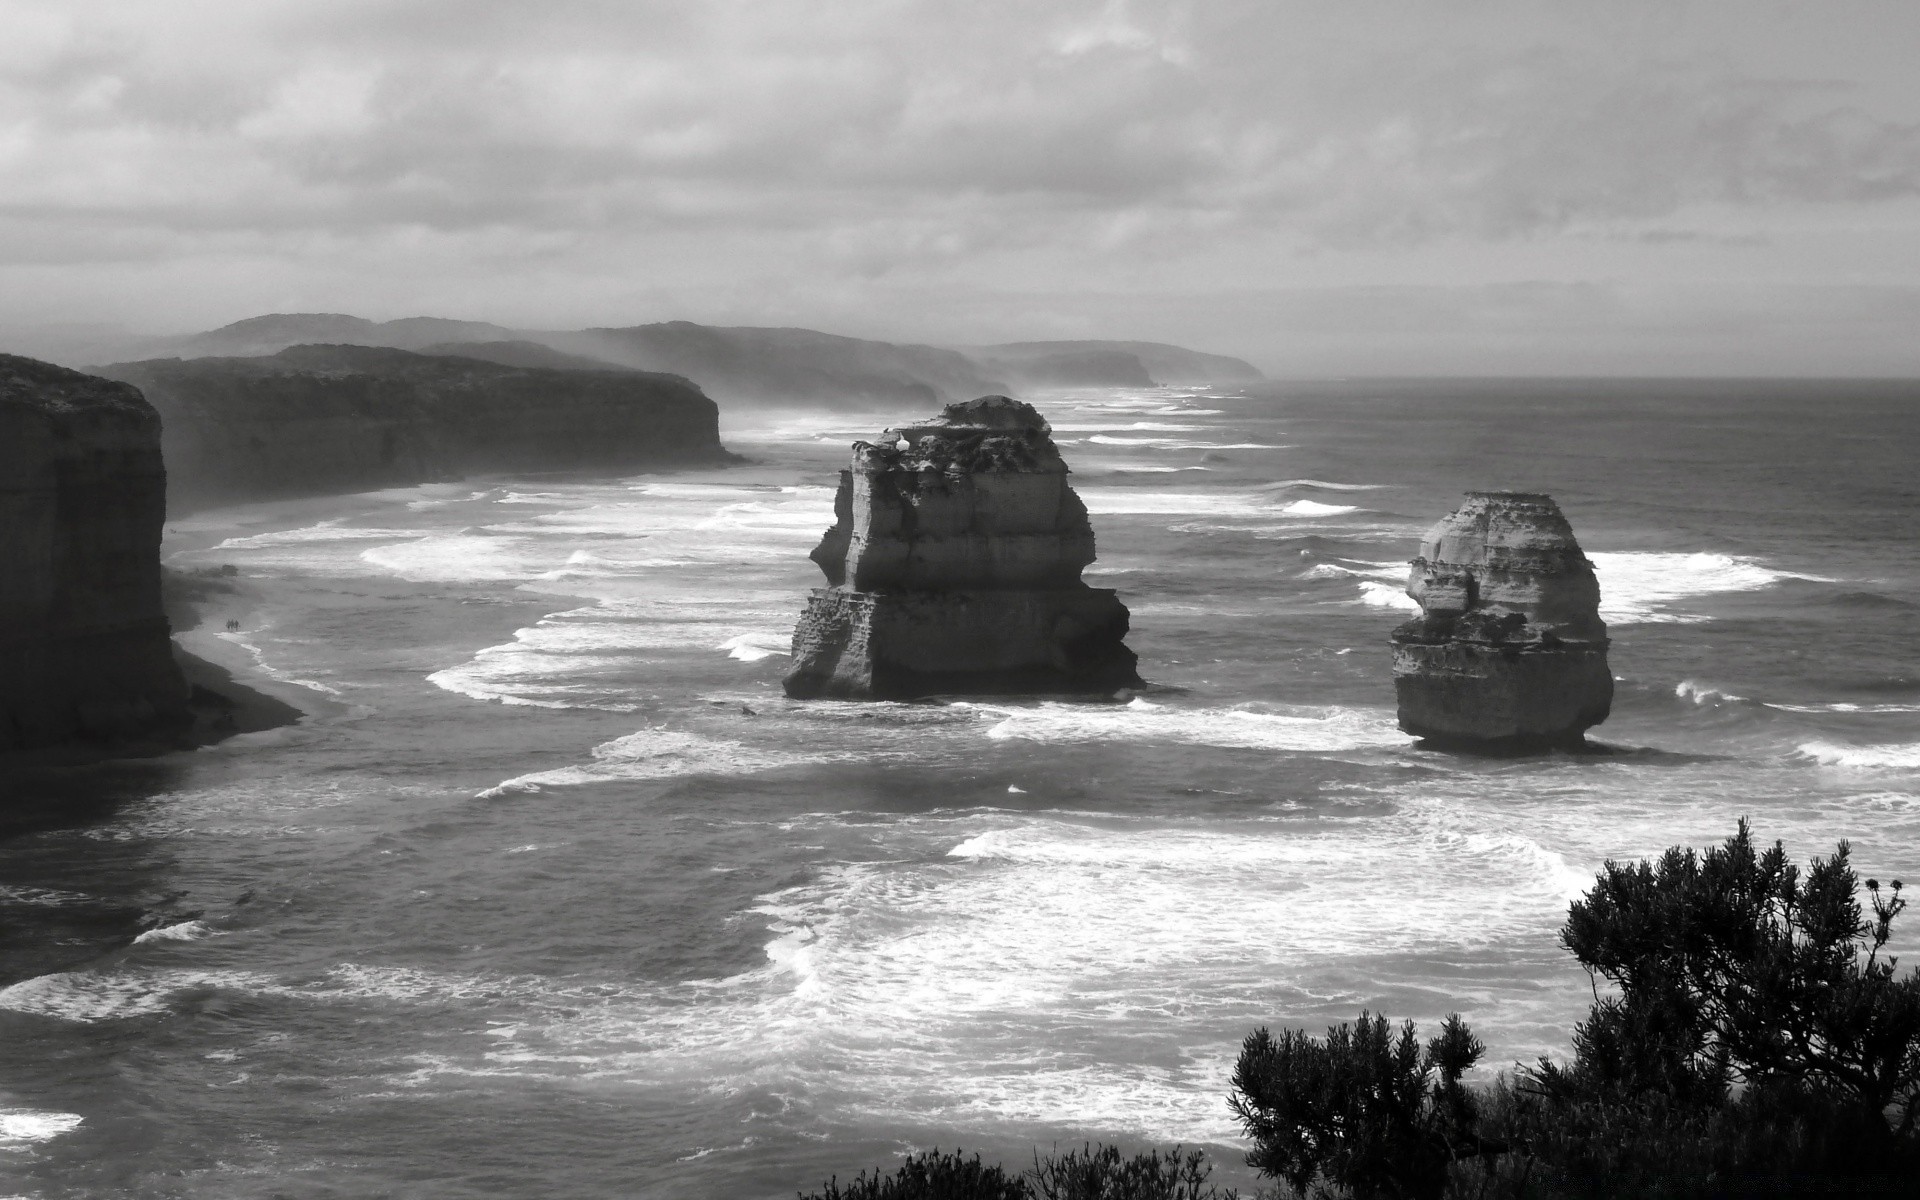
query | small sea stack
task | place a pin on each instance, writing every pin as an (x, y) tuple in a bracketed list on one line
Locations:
[(954, 567), (1509, 652)]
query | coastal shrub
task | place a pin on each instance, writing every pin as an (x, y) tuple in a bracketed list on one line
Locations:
[(933, 1175), (1366, 1110), (1757, 1039), (1102, 1173), (1736, 967), (1093, 1172)]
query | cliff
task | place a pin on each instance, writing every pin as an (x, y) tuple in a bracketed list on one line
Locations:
[(786, 366), (954, 566), (311, 420), (738, 364), (1509, 651), (85, 653)]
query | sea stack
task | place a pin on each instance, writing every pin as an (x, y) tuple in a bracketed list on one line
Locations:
[(85, 652), (1509, 652), (954, 567)]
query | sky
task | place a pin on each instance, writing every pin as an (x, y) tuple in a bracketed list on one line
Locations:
[(1335, 187)]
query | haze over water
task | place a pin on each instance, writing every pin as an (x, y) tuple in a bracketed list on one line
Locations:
[(555, 894)]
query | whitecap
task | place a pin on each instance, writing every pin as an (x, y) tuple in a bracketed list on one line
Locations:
[(658, 754), (180, 931), (1640, 587), (1705, 694), (1387, 595), (20, 1127), (1311, 730), (752, 647), (1313, 508), (1897, 756)]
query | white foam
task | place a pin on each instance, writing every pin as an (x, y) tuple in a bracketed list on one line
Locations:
[(1390, 571), (1310, 730), (657, 754), (1179, 444), (21, 1127), (1387, 595), (1125, 501), (752, 647), (1641, 587), (89, 996), (1843, 706), (181, 931), (306, 535), (1313, 508), (454, 559), (1704, 694), (1321, 483), (1894, 757), (1136, 426)]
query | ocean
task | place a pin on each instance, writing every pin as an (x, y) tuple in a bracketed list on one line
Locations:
[(554, 894)]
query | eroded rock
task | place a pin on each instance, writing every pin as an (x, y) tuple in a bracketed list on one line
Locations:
[(954, 567), (1509, 651)]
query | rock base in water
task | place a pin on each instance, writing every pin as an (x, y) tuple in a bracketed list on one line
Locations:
[(898, 645), (1509, 653)]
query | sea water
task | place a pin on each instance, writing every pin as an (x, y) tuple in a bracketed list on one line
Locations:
[(555, 894)]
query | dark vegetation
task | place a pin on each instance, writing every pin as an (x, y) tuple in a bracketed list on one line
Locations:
[(1755, 1039)]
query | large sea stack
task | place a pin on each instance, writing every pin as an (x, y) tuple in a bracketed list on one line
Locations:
[(314, 420), (1509, 652), (85, 652), (954, 564)]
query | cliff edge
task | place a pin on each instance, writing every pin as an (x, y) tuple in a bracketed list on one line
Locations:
[(1509, 652), (85, 652), (954, 567), (312, 420)]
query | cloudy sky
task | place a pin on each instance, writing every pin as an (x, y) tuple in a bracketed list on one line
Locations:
[(1332, 186)]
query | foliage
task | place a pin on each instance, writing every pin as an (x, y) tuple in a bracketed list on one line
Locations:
[(1734, 967), (931, 1176), (1093, 1172), (1364, 1110)]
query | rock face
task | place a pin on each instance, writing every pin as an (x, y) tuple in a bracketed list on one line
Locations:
[(954, 564), (1510, 651), (85, 652), (313, 420)]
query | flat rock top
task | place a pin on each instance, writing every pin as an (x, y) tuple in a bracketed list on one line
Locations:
[(30, 383), (991, 433), (1490, 527)]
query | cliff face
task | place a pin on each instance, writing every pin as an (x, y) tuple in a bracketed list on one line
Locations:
[(317, 419), (954, 564), (1509, 651), (85, 652)]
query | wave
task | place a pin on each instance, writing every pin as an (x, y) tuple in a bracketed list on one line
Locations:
[(1324, 485), (326, 531), (1893, 757), (659, 754), (1847, 706), (1641, 587), (90, 996), (180, 931), (752, 647), (1323, 730), (1706, 695), (20, 1127), (1313, 508), (1387, 595)]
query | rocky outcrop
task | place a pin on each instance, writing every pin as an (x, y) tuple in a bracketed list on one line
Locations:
[(313, 420), (954, 567), (85, 653), (1509, 651)]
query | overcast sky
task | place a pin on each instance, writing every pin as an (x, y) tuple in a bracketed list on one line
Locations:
[(1336, 186)]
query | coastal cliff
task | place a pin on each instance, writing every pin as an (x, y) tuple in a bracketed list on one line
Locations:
[(954, 566), (1509, 651), (85, 653), (311, 420)]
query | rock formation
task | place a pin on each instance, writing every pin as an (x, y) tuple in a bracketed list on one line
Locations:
[(1510, 651), (312, 420), (954, 566), (85, 652)]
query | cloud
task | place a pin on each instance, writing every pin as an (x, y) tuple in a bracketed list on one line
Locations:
[(1133, 145)]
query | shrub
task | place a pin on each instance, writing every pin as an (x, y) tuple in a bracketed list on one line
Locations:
[(1364, 1110), (1094, 1172), (1734, 967), (931, 1176)]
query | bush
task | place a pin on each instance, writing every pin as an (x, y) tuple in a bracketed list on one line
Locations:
[(1364, 1110), (1094, 1172)]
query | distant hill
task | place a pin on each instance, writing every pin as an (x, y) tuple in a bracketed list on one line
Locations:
[(739, 365), (1166, 364), (321, 419)]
